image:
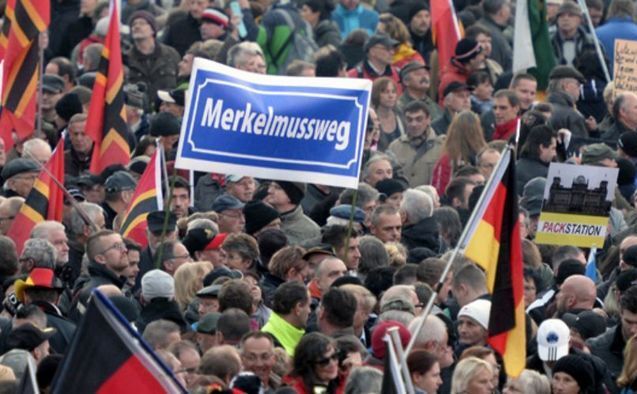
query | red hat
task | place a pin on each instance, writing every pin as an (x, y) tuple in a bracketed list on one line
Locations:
[(216, 242), (379, 346), (215, 16)]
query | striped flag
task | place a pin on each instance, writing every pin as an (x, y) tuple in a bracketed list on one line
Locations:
[(147, 198), (108, 356), (494, 244), (106, 123), (24, 21), (532, 49), (445, 30), (591, 265), (44, 202)]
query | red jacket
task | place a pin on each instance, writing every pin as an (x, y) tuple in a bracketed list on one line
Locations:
[(452, 72), (297, 384), (364, 70), (442, 174)]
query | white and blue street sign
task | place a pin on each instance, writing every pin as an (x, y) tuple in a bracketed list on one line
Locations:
[(281, 128)]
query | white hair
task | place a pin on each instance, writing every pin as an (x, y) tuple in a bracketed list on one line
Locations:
[(434, 329), (417, 205), (42, 229)]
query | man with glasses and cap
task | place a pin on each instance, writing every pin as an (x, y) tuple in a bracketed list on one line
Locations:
[(120, 188), (379, 53), (52, 92), (19, 176), (415, 79)]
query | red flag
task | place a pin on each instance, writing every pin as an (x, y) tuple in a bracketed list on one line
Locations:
[(44, 202), (445, 30), (147, 198), (108, 356), (24, 21), (496, 246), (106, 123)]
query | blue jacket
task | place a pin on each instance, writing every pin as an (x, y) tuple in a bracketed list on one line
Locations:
[(615, 28), (358, 18)]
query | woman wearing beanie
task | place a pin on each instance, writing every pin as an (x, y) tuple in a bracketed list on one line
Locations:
[(572, 374)]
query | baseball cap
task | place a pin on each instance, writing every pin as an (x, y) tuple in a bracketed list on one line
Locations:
[(552, 340), (52, 83), (211, 291), (382, 39), (455, 86), (409, 67), (120, 181), (225, 202)]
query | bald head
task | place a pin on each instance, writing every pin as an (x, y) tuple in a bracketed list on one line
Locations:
[(579, 292), (328, 271), (630, 240)]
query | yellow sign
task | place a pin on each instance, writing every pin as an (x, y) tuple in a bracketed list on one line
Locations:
[(625, 70), (568, 229)]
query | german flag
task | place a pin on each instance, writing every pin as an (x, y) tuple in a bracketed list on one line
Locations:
[(24, 21), (106, 123), (147, 198), (108, 356), (44, 202), (495, 245), (445, 29)]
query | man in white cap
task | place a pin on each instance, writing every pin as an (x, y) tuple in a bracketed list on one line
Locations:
[(553, 337), (158, 300), (473, 324)]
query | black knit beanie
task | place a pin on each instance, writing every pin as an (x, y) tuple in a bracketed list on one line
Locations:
[(258, 215), (578, 368), (294, 190), (68, 106)]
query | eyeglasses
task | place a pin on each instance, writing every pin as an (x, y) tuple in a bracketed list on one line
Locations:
[(326, 360), (5, 218), (183, 256), (118, 245)]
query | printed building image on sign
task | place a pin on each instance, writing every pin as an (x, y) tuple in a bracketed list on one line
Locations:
[(576, 205), (273, 127)]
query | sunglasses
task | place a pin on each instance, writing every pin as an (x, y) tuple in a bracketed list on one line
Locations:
[(326, 360)]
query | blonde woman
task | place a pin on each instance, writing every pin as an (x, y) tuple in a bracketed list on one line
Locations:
[(472, 376), (188, 281), (396, 29)]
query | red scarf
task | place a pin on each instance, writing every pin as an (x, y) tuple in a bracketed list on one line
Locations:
[(505, 131)]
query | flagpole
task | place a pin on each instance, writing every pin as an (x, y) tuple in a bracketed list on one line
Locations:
[(164, 228), (402, 358), (598, 48), (38, 129), (456, 250), (350, 224), (87, 220)]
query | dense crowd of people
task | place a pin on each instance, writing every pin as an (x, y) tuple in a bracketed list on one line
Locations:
[(258, 285)]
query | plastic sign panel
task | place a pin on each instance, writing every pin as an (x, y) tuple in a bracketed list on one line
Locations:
[(576, 205), (282, 128)]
